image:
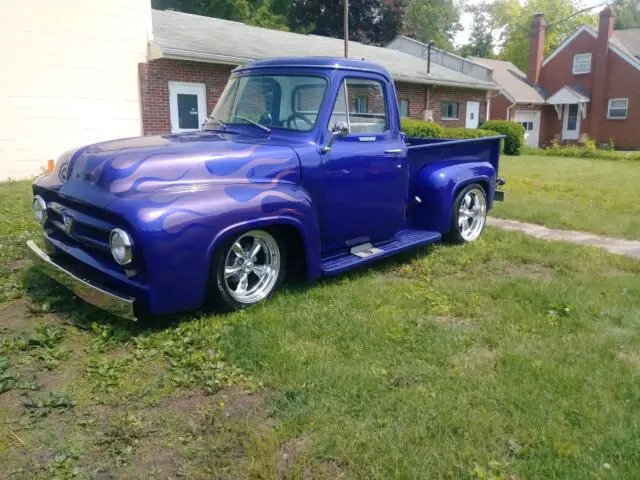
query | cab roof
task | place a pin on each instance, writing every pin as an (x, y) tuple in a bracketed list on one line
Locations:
[(333, 63)]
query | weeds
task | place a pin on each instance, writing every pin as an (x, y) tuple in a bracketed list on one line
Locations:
[(42, 407)]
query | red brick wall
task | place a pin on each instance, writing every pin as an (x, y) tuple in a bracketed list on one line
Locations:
[(439, 95), (154, 88), (499, 105), (416, 96), (156, 75), (622, 81)]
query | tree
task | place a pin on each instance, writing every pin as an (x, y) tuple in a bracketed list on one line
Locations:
[(370, 21), (481, 41), (432, 20), (561, 16), (261, 13), (627, 14)]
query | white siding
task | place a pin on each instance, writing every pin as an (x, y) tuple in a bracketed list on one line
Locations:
[(69, 76)]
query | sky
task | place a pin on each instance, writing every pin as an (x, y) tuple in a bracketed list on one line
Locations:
[(462, 37)]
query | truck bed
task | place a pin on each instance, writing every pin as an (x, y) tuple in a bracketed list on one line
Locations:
[(424, 151)]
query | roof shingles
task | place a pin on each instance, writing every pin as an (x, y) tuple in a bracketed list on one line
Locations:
[(183, 35)]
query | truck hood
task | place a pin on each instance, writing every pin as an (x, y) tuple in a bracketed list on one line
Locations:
[(192, 161)]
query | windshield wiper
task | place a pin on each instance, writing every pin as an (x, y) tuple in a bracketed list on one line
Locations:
[(211, 117), (255, 124)]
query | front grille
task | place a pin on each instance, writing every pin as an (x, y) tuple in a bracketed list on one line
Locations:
[(84, 229)]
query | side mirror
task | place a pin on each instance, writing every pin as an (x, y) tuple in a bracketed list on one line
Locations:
[(340, 129)]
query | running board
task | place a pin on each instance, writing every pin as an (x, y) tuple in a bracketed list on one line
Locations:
[(366, 253)]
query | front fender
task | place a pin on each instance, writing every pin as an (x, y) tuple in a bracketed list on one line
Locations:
[(438, 184), (177, 232)]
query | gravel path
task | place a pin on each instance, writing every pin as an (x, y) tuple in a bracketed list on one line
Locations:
[(613, 245)]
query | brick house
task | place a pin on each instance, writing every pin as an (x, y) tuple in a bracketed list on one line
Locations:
[(518, 100), (191, 57), (589, 86), (593, 83), (121, 69), (472, 108)]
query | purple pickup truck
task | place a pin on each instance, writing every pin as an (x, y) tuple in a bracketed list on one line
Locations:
[(301, 169)]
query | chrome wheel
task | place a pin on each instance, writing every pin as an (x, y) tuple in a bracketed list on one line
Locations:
[(252, 267), (472, 214)]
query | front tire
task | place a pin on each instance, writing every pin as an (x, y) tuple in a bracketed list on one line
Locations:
[(248, 269), (469, 214)]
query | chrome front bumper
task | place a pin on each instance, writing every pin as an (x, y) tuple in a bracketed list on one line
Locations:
[(83, 288)]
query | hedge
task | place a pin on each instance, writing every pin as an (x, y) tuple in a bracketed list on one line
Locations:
[(581, 152), (514, 132), (420, 129), (459, 132)]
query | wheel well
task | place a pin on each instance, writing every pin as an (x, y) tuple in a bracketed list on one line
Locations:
[(296, 258), (483, 183)]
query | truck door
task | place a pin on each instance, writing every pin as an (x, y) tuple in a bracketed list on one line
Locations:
[(365, 171)]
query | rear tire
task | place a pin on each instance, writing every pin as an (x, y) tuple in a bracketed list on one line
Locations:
[(248, 269), (469, 215)]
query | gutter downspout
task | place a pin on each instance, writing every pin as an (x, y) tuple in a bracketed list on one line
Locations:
[(509, 108)]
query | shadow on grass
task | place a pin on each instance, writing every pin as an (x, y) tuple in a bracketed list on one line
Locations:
[(48, 296)]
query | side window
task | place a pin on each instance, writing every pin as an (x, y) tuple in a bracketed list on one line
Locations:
[(366, 112), (367, 106), (339, 113)]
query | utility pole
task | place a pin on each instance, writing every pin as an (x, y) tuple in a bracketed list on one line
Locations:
[(346, 28)]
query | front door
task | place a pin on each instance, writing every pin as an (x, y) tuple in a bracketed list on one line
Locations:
[(571, 122), (365, 179), (473, 112)]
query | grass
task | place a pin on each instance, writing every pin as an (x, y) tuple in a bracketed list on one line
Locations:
[(589, 195), (507, 358)]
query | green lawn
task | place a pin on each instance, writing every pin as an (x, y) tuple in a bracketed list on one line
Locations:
[(506, 357), (573, 194)]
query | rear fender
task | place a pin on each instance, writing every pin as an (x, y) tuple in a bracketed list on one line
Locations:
[(437, 186)]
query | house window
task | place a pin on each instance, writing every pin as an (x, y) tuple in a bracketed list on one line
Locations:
[(403, 107), (449, 111), (618, 108), (361, 105), (528, 126), (581, 63), (187, 106)]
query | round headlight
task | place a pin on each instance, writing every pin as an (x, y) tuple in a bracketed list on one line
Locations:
[(40, 209), (121, 246)]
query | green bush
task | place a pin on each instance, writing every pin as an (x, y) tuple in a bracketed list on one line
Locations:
[(420, 129), (459, 132), (514, 132), (581, 152)]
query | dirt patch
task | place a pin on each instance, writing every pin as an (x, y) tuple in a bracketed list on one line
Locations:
[(17, 265), (288, 453), (15, 314), (188, 403), (529, 270), (235, 403), (478, 357), (153, 461)]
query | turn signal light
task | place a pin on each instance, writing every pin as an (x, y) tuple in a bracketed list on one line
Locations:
[(50, 165)]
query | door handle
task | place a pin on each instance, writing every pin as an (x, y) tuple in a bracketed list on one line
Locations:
[(394, 151)]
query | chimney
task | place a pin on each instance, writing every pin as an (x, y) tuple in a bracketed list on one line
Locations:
[(605, 28), (600, 71), (536, 47)]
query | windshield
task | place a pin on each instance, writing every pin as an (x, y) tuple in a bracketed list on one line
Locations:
[(288, 102)]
